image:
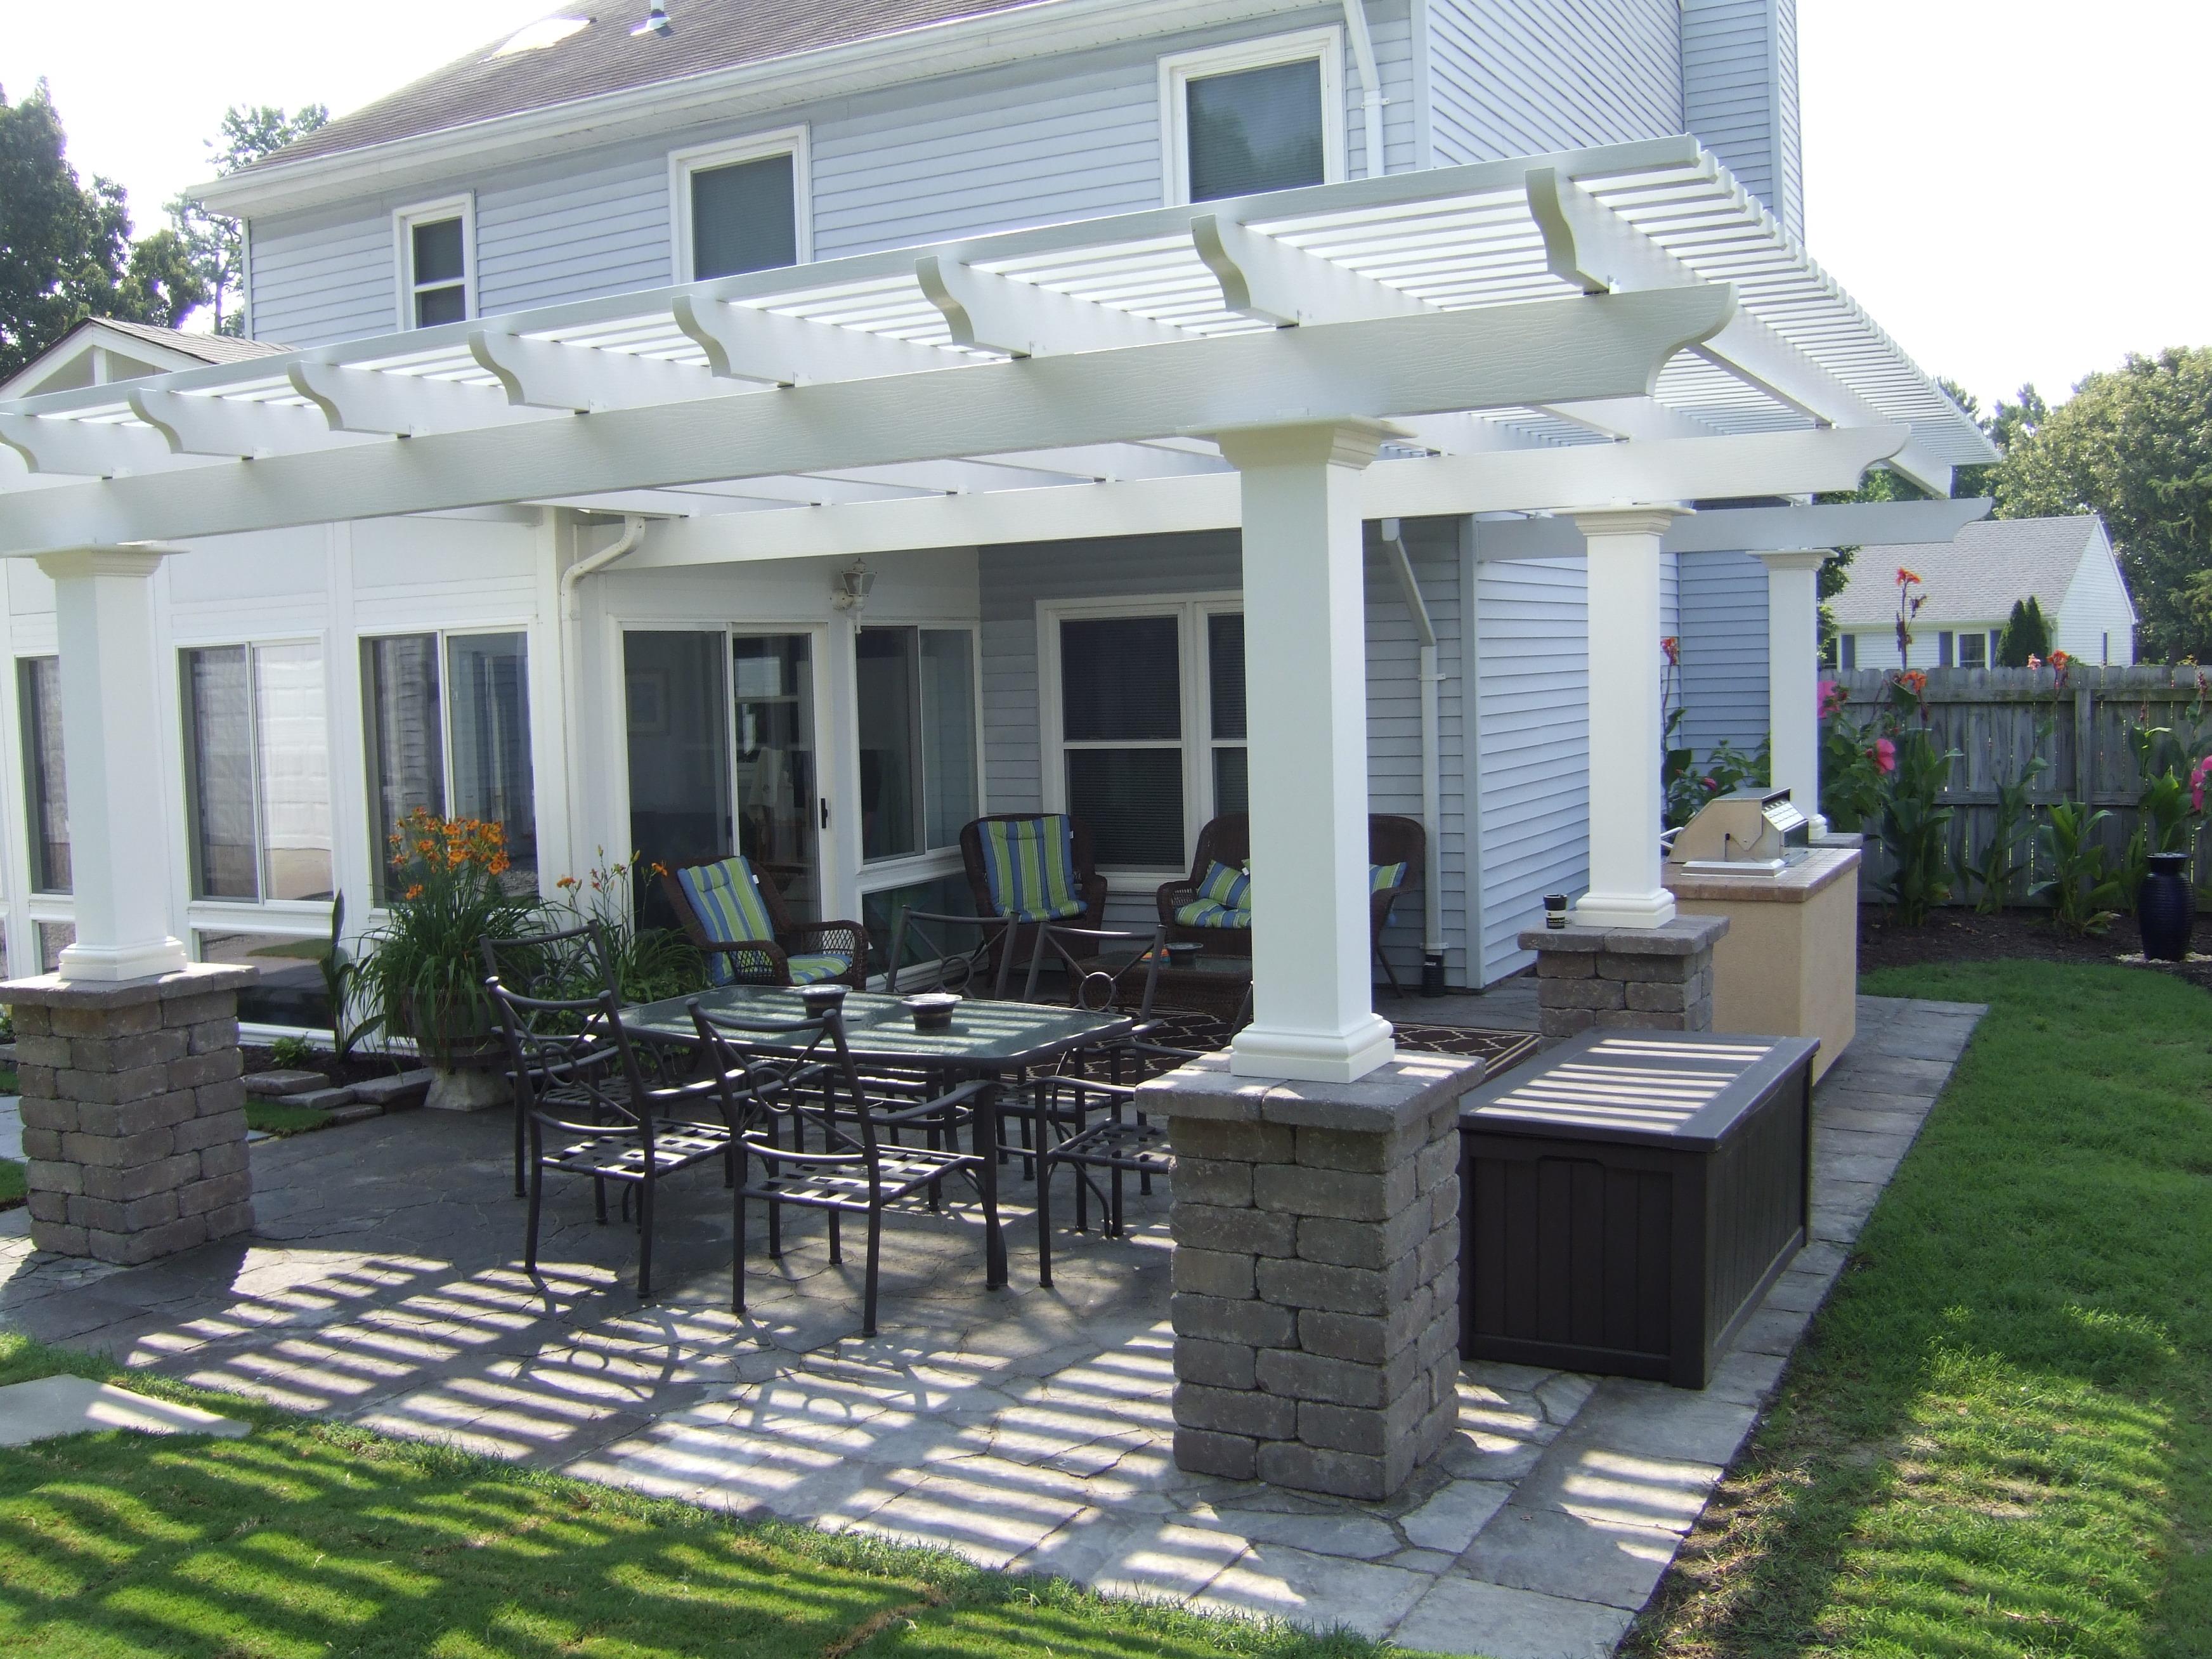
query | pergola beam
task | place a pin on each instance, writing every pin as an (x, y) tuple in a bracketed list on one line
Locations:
[(91, 449), (1494, 357), (1814, 528), (583, 379), (1588, 244), (392, 404), (1525, 481), (988, 312), (234, 428), (746, 343)]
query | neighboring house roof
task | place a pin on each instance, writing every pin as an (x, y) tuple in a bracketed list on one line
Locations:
[(1978, 575), (146, 349), (605, 57)]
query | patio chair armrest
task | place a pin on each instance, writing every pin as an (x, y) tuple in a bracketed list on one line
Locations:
[(1378, 906), (1120, 1091), (1094, 894), (1172, 895)]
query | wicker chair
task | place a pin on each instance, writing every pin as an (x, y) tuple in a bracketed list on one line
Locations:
[(1227, 839), (758, 943), (1088, 886)]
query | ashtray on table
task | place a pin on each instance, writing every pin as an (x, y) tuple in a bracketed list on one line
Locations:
[(931, 1010)]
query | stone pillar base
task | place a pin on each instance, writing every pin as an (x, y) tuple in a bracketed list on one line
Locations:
[(134, 1112), (1652, 979), (1316, 1270)]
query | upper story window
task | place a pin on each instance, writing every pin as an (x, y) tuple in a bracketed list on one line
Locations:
[(1262, 115), (740, 207), (437, 263)]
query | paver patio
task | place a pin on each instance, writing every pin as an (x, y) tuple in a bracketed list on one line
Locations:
[(1028, 1428)]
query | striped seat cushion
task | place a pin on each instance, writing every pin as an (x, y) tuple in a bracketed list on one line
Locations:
[(1382, 877), (1029, 865), (1228, 888), (813, 969), (727, 899), (1206, 913)]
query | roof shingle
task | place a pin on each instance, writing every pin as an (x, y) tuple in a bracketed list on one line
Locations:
[(1975, 578)]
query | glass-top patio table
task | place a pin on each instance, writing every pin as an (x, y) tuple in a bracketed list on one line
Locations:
[(986, 1039)]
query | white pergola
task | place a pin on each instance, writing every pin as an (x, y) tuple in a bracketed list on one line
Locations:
[(1606, 336)]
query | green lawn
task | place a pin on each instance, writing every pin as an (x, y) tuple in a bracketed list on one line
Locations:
[(12, 1183), (1998, 1441), (274, 1117), (310, 1539)]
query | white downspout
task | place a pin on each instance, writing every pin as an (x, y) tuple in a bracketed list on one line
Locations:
[(572, 662), (1432, 898), (1370, 82)]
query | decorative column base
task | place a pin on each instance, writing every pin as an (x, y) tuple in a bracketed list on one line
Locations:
[(1650, 979), (1316, 1271), (134, 1112)]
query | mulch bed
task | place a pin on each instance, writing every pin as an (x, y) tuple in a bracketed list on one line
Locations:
[(1958, 934), (362, 1068)]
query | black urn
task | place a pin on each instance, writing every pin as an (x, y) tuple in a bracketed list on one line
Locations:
[(2165, 907)]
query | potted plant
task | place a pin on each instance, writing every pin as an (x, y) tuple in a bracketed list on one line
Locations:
[(423, 978)]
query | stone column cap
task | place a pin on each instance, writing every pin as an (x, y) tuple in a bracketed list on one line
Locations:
[(1685, 936), (1397, 1095), (193, 980)]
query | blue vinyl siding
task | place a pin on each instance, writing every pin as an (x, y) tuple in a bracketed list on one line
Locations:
[(1532, 654), (1536, 76), (1739, 96), (1723, 633), (1015, 580), (1076, 138)]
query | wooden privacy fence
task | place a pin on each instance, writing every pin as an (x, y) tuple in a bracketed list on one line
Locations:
[(1993, 716)]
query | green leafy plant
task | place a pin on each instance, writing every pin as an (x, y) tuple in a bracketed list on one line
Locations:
[(1685, 785), (2084, 890), (2009, 853), (291, 1052), (650, 965), (340, 971), (423, 975), (1911, 823)]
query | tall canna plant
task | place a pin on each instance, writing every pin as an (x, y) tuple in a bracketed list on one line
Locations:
[(1912, 824)]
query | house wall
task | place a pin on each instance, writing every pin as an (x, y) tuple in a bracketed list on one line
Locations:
[(1073, 137), (2096, 621), (1739, 89), (1723, 633), (1016, 580), (1524, 77)]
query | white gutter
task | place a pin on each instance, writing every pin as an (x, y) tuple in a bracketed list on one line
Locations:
[(1432, 898), (1370, 82), (571, 658)]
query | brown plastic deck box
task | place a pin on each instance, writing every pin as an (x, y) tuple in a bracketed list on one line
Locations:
[(1628, 1197)]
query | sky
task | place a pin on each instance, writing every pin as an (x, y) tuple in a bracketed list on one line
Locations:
[(1994, 180)]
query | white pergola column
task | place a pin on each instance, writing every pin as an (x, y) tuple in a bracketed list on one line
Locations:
[(1793, 674), (111, 748), (1627, 806), (1306, 686)]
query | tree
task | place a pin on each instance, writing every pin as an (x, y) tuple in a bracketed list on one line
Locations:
[(65, 249), (2027, 633), (216, 246), (2133, 444)]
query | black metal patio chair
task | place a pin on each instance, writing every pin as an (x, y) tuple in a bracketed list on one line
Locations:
[(1125, 1142), (581, 1088), (824, 1138)]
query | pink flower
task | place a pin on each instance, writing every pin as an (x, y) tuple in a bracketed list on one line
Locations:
[(1885, 755), (2035, 661), (1832, 698), (2198, 775)]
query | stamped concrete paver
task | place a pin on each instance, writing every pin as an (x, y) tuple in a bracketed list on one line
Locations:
[(1025, 1428)]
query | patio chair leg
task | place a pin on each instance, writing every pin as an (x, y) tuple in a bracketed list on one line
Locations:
[(837, 1242), (1114, 1215), (521, 1154), (737, 1248), (1044, 1222), (1389, 972), (536, 1200), (645, 1237), (875, 1252), (599, 1198)]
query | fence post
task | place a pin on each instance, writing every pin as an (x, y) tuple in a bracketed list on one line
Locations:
[(2085, 742)]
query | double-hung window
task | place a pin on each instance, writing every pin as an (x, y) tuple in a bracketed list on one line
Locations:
[(447, 729), (45, 779), (740, 207), (1145, 725), (256, 771), (1259, 116), (437, 263), (917, 695)]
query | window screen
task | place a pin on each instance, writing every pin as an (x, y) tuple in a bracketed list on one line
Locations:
[(440, 273), (744, 217), (219, 752), (488, 683), (1122, 723), (1255, 129), (48, 778), (406, 742)]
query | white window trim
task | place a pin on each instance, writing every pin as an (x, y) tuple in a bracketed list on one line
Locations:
[(683, 163), (403, 221), (1197, 744), (1177, 71)]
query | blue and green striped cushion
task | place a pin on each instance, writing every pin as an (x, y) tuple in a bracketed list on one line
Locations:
[(1205, 913), (1029, 864), (813, 969), (727, 899), (1382, 877), (1229, 889)]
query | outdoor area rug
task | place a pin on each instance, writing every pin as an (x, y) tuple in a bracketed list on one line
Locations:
[(1498, 1051)]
